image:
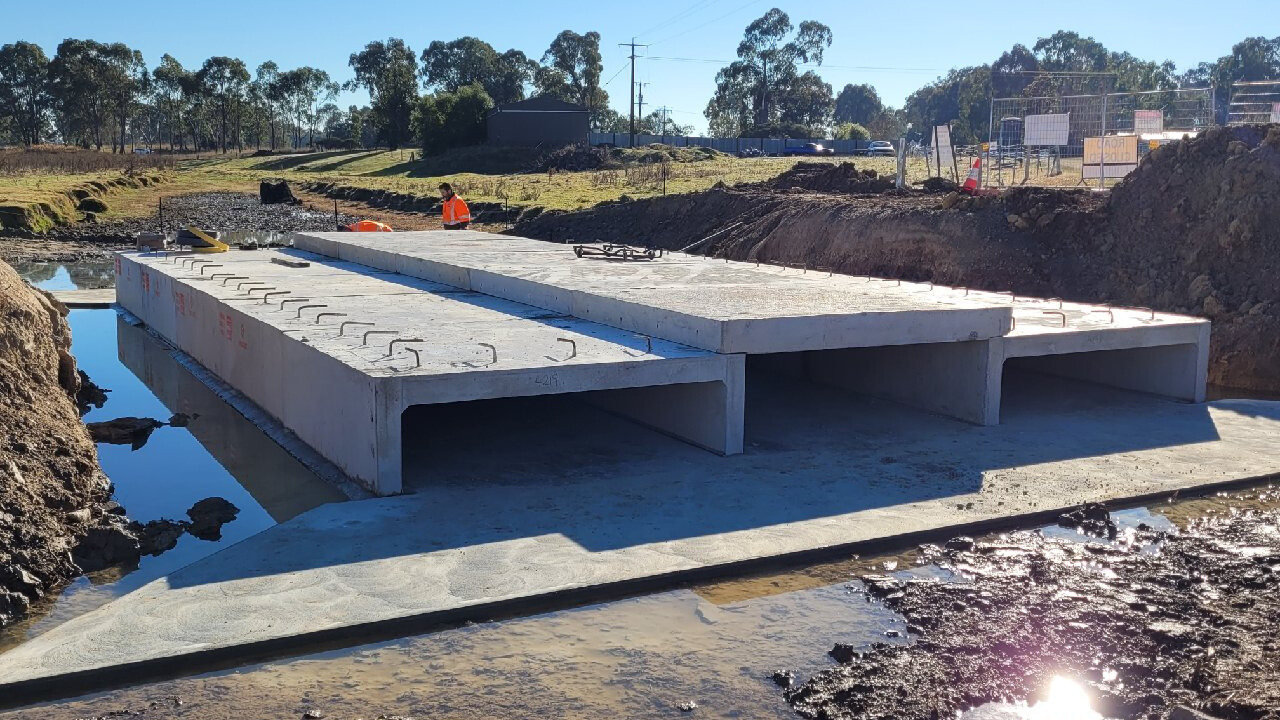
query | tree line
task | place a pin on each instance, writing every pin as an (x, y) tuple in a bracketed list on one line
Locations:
[(103, 95), (765, 94)]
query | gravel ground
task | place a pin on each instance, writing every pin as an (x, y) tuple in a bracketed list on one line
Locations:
[(211, 211)]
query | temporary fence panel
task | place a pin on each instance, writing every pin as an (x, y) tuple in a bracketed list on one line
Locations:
[(1041, 140), (1254, 102), (767, 146)]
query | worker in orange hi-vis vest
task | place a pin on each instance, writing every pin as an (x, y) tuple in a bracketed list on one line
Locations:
[(456, 214)]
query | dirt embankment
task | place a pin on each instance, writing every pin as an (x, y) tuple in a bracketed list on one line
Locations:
[(52, 491), (1196, 229), (80, 203)]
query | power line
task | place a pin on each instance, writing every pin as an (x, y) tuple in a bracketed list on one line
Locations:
[(694, 9), (880, 68), (736, 10)]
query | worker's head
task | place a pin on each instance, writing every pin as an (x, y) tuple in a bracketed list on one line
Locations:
[(446, 190)]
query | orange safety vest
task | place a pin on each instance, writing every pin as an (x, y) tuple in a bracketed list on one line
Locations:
[(455, 211)]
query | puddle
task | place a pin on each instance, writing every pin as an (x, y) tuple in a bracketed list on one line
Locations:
[(714, 644), (219, 454)]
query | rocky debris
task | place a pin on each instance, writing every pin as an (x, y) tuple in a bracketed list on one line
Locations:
[(211, 211), (825, 177), (113, 540), (108, 544), (90, 395), (158, 536), (50, 483), (783, 678), (1181, 631), (312, 714), (209, 515), (960, 544), (688, 706), (275, 192), (1090, 519), (132, 431)]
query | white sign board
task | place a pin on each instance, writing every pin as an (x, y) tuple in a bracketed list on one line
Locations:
[(1112, 156), (942, 150), (1275, 112), (1046, 129), (1148, 122)]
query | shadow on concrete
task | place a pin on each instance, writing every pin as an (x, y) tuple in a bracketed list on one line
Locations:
[(522, 469)]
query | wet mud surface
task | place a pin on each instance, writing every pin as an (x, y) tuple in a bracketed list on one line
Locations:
[(237, 213), (1150, 621), (1174, 612)]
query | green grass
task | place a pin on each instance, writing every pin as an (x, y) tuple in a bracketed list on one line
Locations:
[(480, 174), (396, 171)]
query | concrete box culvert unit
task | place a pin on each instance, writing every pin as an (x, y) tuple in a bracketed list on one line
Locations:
[(280, 338), (477, 316)]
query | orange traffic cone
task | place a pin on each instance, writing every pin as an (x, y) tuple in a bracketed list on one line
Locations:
[(971, 182)]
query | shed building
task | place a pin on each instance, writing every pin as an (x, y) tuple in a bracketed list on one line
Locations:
[(541, 120)]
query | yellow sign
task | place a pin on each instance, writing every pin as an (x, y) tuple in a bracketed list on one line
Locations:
[(984, 147), (1112, 150), (1153, 144)]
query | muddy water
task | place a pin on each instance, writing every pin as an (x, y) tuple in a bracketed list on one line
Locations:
[(716, 645), (219, 453)]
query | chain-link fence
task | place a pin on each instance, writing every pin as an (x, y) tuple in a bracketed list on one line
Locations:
[(1254, 102), (1072, 139)]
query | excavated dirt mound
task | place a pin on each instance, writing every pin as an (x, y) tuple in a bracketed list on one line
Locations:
[(844, 177), (1196, 230), (51, 489)]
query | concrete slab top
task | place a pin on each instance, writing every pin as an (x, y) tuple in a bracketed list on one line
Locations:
[(706, 296), (346, 311)]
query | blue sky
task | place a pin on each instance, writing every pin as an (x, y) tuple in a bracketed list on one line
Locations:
[(873, 43)]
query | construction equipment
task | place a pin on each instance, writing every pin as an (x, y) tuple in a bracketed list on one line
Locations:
[(201, 241), (613, 251)]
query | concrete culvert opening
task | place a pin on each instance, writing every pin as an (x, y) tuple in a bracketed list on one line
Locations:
[(949, 379), (1070, 380), (549, 437)]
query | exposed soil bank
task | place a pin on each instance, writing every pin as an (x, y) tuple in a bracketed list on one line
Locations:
[(82, 202), (1196, 229), (52, 492), (1147, 623)]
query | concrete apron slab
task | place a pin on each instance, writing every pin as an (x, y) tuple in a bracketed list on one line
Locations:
[(472, 548)]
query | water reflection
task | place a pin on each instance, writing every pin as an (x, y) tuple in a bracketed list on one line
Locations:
[(79, 275), (220, 453)]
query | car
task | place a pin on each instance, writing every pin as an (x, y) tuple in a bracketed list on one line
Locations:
[(142, 151), (809, 149), (881, 147), (751, 152)]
